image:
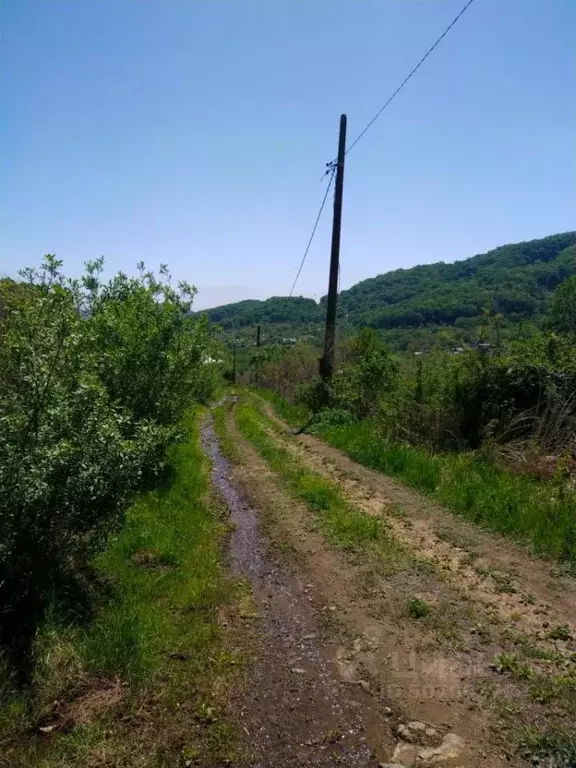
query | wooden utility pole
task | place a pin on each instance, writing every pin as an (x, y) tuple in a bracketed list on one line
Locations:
[(257, 373), (327, 360), (234, 364)]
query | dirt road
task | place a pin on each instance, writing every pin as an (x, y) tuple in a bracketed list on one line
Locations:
[(449, 647), (292, 710)]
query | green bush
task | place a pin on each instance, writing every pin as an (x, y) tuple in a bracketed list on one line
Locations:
[(361, 383), (148, 352), (93, 382), (417, 608), (463, 401)]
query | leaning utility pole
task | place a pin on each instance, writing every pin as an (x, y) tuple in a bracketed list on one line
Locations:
[(327, 360)]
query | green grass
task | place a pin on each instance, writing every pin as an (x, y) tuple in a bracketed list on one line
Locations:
[(553, 747), (552, 688), (560, 633), (157, 632), (295, 415), (344, 525), (225, 440), (521, 508), (543, 687), (180, 535)]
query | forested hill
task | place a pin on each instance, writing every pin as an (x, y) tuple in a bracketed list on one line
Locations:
[(515, 280), (277, 309)]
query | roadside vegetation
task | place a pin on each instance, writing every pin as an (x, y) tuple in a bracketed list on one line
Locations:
[(110, 561), (489, 431)]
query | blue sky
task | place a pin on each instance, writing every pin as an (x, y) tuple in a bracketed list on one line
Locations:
[(195, 132)]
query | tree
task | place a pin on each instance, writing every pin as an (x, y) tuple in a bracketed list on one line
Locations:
[(563, 314)]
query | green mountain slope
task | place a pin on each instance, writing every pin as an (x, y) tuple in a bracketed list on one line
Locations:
[(277, 310), (514, 280)]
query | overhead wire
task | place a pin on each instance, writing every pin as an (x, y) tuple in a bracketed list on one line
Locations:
[(331, 171), (410, 75), (331, 166)]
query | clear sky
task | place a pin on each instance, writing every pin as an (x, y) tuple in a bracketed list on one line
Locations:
[(195, 132)]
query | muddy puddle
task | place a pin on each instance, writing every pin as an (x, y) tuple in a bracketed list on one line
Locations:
[(294, 710)]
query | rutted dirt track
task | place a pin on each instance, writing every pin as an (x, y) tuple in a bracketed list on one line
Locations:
[(341, 674), (292, 710), (532, 593)]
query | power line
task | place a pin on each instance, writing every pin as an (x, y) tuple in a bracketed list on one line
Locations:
[(331, 171), (412, 73), (331, 166)]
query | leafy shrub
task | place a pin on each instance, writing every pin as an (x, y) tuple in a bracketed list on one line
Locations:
[(361, 383), (148, 351), (417, 608), (93, 382), (509, 663), (463, 401), (313, 395), (331, 417)]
